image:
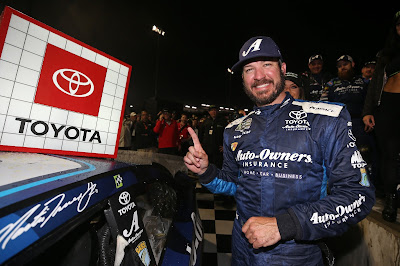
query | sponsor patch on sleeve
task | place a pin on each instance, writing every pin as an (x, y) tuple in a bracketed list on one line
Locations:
[(320, 108)]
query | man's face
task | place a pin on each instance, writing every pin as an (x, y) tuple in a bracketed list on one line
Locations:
[(213, 113), (368, 70), (345, 69), (167, 115), (263, 81), (184, 119), (144, 116), (315, 66)]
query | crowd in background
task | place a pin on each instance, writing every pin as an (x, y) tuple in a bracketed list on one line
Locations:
[(371, 97)]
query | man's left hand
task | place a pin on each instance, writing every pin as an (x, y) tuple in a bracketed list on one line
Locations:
[(261, 231)]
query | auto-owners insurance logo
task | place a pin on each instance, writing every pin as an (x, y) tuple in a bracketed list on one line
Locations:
[(70, 82), (297, 122)]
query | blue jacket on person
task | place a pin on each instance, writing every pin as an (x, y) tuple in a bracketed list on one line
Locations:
[(278, 162)]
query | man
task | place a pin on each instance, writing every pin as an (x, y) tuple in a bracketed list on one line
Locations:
[(351, 90), (167, 130), (314, 80), (278, 161), (145, 138), (211, 135), (368, 70)]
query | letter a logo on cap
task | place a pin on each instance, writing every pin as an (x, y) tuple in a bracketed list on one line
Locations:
[(255, 46)]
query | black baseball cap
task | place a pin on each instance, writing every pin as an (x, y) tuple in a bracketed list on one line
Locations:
[(257, 47), (294, 77)]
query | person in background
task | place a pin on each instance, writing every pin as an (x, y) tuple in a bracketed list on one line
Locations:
[(145, 137), (314, 79), (351, 90), (294, 85), (381, 113), (211, 135), (242, 113), (183, 135), (125, 135), (278, 161), (368, 70), (167, 130), (131, 124)]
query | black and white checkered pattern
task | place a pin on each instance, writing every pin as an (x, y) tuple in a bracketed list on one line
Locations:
[(217, 213)]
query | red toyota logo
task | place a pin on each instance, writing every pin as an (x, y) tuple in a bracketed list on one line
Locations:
[(70, 82)]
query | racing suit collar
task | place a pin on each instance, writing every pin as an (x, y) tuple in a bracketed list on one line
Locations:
[(269, 109)]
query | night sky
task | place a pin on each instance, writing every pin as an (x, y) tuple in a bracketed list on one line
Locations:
[(203, 38)]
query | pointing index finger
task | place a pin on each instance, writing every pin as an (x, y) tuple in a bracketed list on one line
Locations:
[(195, 138)]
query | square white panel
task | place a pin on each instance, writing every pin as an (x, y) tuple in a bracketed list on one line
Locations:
[(15, 37), (88, 54), (6, 87), (98, 148), (102, 125), (111, 139), (58, 116), (124, 70), (110, 149), (4, 101), (2, 121), (85, 147), (118, 103), (114, 66), (34, 142), (8, 70), (19, 23), (112, 76), (107, 100), (101, 60), (31, 61), (40, 112), (57, 40), (27, 76), (75, 119), (109, 88), (38, 32), (11, 53), (120, 92), (53, 144), (89, 121), (115, 115), (69, 145), (19, 108), (11, 125), (122, 80), (105, 112), (73, 48), (35, 45), (23, 92), (12, 139), (113, 127)]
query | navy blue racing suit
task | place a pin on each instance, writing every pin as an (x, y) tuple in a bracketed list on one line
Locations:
[(278, 162)]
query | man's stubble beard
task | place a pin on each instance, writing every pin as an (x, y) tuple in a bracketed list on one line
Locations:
[(261, 101)]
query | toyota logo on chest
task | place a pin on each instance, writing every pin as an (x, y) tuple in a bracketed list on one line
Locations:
[(75, 81)]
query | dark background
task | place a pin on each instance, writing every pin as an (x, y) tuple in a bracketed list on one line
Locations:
[(203, 38)]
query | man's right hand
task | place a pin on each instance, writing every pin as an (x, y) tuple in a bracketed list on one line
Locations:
[(196, 160)]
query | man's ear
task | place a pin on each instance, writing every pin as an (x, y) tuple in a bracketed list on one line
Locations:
[(353, 64), (283, 68)]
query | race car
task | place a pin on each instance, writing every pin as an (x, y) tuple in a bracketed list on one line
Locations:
[(59, 210)]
